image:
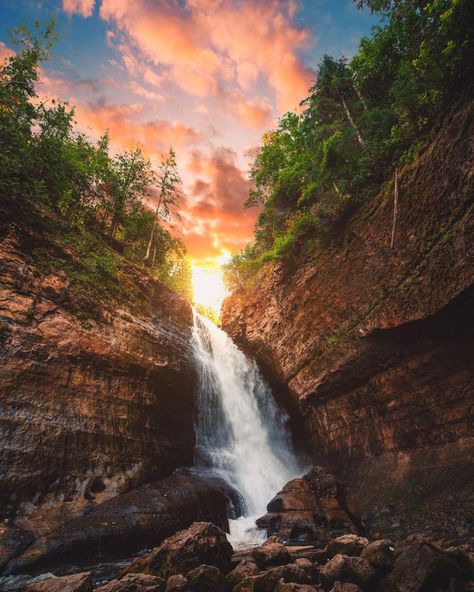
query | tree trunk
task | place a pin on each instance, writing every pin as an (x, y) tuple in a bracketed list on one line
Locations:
[(361, 98), (152, 233), (114, 227), (351, 121)]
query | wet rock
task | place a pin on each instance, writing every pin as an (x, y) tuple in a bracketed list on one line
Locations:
[(313, 554), (347, 544), (246, 585), (201, 543), (206, 578), (312, 569), (243, 570), (304, 563), (269, 579), (464, 559), (135, 583), (343, 568), (140, 518), (291, 587), (380, 554), (177, 583), (347, 587), (308, 509), (422, 566), (80, 582), (271, 553)]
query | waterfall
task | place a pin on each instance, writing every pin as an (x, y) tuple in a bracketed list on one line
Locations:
[(241, 432)]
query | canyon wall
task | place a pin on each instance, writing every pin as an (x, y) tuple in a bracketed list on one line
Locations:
[(95, 398), (374, 345)]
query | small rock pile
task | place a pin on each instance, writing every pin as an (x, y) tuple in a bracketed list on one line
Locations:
[(200, 559)]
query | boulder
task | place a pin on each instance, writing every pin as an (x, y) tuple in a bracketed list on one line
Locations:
[(135, 583), (80, 582), (177, 583), (246, 585), (206, 578), (290, 587), (347, 587), (380, 554), (268, 580), (308, 510), (243, 570), (343, 568), (421, 565), (271, 553), (464, 559), (135, 520), (312, 569), (201, 543), (304, 563), (347, 544)]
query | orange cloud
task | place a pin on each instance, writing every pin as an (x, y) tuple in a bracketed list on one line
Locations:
[(211, 47), (126, 130), (214, 217), (254, 114), (83, 7), (5, 52)]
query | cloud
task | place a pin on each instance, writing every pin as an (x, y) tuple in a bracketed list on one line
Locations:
[(127, 129), (214, 217), (209, 48), (257, 114), (83, 7), (5, 52)]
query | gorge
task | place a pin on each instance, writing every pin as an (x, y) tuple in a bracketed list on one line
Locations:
[(257, 376)]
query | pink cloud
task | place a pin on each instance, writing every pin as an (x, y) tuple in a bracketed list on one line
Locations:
[(214, 217), (83, 7), (5, 51), (258, 114), (211, 47), (126, 129)]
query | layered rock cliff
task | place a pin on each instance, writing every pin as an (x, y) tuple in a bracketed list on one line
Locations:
[(374, 345), (95, 397)]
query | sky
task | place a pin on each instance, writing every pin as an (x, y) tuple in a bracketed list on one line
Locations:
[(207, 77)]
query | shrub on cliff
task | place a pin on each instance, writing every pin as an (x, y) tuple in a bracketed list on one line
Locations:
[(83, 196), (363, 119)]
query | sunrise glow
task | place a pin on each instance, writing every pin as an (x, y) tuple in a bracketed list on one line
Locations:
[(208, 282), (208, 286)]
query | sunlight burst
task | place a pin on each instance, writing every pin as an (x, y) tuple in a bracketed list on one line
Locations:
[(208, 284)]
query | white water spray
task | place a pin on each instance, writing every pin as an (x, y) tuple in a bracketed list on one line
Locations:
[(241, 432)]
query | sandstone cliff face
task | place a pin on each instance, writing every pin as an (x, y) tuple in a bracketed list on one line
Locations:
[(94, 399), (375, 345)]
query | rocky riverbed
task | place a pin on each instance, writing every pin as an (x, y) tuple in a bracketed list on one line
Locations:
[(200, 559)]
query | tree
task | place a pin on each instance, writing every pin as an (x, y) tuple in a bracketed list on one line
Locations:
[(168, 182), (132, 179), (334, 87)]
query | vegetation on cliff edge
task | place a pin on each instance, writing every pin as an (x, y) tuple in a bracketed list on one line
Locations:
[(85, 199), (362, 120)]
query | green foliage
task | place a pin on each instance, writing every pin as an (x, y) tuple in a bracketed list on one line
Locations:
[(48, 170), (168, 182), (208, 312), (362, 119)]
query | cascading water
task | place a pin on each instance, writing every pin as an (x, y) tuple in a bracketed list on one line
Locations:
[(241, 433)]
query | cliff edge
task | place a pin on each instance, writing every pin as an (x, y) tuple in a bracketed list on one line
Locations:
[(374, 345)]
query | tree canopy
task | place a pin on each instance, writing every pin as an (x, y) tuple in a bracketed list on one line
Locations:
[(362, 119), (49, 169)]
